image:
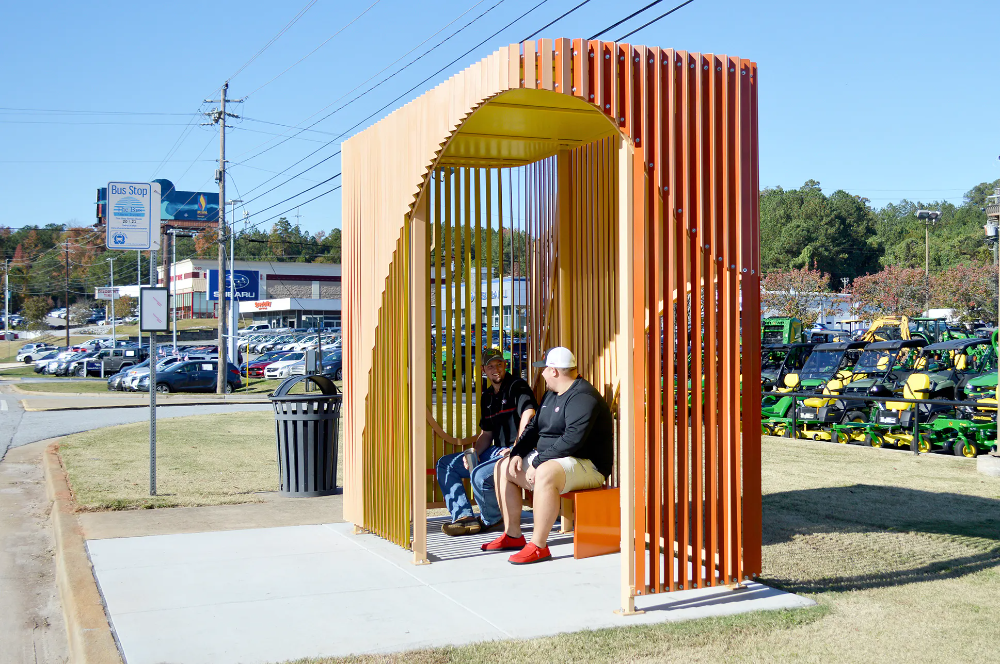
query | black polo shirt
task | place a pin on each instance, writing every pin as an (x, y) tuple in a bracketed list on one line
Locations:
[(502, 409)]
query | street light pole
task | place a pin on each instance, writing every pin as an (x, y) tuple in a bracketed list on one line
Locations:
[(928, 217)]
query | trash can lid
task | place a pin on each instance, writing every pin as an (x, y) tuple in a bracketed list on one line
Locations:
[(325, 384)]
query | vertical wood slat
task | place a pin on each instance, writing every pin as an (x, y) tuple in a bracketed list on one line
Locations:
[(713, 326), (653, 108), (467, 277), (671, 287), (697, 235), (751, 461)]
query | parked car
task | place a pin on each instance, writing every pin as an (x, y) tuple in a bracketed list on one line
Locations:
[(114, 360), (42, 360), (68, 365), (256, 366), (257, 327), (115, 381), (130, 382), (283, 367), (332, 366), (192, 376), (30, 352), (49, 366)]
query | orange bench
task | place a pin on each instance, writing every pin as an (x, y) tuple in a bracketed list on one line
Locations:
[(594, 518)]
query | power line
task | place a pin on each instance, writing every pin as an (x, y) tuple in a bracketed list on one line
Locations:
[(324, 43), (425, 53), (64, 111), (553, 22), (661, 16), (274, 38), (630, 16)]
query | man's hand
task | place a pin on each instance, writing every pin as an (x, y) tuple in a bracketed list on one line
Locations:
[(529, 476), (505, 452), (465, 461), (515, 463)]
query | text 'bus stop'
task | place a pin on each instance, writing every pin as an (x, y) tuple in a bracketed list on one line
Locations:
[(611, 189)]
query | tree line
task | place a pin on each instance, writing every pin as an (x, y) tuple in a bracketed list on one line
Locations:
[(37, 258), (814, 243)]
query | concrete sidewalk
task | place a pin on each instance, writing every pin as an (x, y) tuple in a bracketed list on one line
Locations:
[(276, 594)]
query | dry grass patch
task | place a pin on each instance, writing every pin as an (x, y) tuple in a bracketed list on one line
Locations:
[(68, 387), (201, 460)]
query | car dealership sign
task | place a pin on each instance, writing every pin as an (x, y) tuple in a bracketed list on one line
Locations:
[(246, 284)]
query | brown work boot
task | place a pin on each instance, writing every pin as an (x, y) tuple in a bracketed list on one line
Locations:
[(467, 525), (483, 528)]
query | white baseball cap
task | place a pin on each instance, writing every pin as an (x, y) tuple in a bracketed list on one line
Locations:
[(558, 357)]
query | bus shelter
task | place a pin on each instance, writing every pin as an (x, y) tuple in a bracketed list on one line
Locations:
[(613, 189)]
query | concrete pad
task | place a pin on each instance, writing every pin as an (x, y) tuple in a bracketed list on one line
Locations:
[(277, 594), (989, 465)]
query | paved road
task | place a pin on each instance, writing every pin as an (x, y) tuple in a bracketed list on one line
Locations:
[(19, 428)]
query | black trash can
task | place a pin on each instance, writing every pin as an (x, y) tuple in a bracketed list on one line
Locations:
[(307, 428)]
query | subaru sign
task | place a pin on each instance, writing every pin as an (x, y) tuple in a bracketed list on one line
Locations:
[(246, 284)]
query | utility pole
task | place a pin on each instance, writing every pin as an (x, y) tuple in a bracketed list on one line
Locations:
[(6, 305), (66, 298), (218, 116)]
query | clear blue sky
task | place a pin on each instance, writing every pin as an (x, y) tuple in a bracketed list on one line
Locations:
[(887, 99)]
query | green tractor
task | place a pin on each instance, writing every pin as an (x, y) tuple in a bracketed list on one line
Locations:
[(882, 370), (779, 360), (935, 330), (775, 331), (827, 362), (985, 384), (940, 372)]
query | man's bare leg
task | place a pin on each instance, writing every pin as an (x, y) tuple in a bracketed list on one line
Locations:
[(550, 478), (512, 504), (498, 473)]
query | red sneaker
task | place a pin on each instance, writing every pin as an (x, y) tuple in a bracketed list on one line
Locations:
[(530, 554), (504, 542)]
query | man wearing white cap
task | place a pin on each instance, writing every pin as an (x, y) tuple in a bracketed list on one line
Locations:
[(568, 445)]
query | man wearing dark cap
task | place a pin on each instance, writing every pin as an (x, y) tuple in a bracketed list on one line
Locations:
[(507, 405), (567, 446)]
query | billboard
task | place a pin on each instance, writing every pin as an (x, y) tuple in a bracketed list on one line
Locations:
[(247, 284), (174, 205)]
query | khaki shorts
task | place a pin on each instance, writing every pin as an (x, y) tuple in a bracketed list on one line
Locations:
[(580, 474)]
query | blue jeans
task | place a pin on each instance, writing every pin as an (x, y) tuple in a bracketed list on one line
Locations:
[(450, 473)]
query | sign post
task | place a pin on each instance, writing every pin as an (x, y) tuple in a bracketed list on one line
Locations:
[(133, 224)]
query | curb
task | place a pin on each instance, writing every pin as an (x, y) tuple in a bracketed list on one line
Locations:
[(87, 627)]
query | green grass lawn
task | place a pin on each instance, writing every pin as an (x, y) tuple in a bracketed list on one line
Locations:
[(26, 370), (68, 387), (901, 553), (201, 460)]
